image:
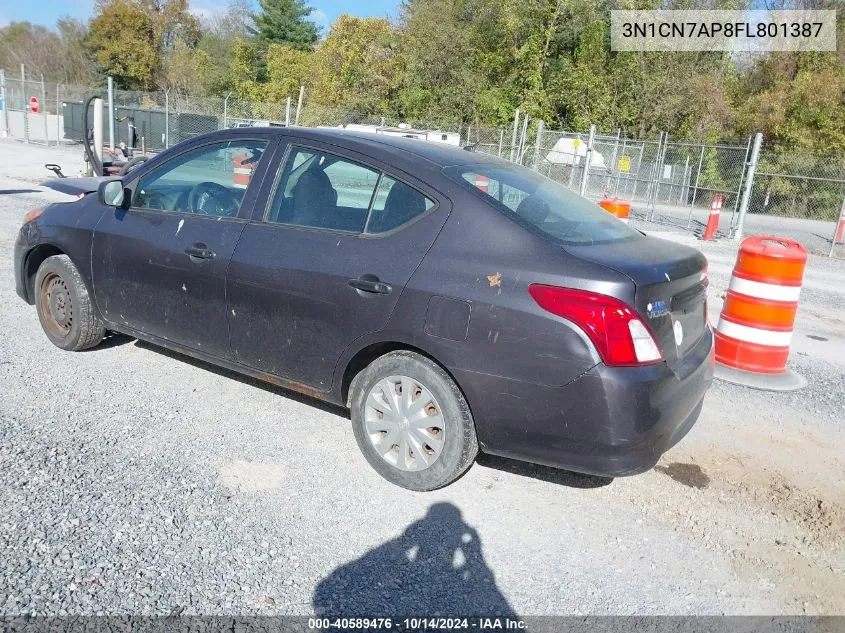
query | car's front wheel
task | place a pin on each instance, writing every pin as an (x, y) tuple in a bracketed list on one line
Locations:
[(412, 422), (64, 306)]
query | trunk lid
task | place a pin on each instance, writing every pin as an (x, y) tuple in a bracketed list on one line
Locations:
[(671, 288)]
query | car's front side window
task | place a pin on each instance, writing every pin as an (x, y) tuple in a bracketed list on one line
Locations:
[(208, 180)]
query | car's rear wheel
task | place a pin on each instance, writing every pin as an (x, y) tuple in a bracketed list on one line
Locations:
[(412, 422), (64, 306)]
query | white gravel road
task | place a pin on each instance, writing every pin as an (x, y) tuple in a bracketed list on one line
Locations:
[(133, 481)]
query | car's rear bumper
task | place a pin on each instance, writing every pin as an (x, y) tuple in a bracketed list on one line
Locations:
[(611, 421)]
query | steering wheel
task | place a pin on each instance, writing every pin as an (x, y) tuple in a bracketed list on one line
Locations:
[(157, 200), (211, 198)]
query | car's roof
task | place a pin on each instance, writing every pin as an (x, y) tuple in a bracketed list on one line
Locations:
[(441, 154)]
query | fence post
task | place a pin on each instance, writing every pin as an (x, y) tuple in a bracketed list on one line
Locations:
[(739, 186), (515, 127), (25, 105), (44, 111), (540, 126), (501, 138), (613, 163), (838, 230), (749, 185), (522, 138), (299, 104), (111, 113), (226, 110), (4, 131), (585, 176), (658, 172), (166, 120), (287, 112), (60, 117)]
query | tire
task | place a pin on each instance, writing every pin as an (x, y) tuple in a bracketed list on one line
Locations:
[(435, 455), (64, 306)]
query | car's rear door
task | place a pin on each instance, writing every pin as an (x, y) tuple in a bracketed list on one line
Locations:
[(327, 261), (159, 266)]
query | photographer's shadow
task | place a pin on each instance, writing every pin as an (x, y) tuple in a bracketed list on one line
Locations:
[(435, 567)]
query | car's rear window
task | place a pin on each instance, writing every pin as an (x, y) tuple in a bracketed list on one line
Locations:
[(541, 204)]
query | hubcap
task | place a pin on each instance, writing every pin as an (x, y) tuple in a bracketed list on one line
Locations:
[(404, 423), (56, 305)]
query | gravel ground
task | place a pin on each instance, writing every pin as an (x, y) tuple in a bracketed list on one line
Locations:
[(134, 481)]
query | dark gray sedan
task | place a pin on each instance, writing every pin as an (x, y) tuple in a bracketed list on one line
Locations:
[(453, 301)]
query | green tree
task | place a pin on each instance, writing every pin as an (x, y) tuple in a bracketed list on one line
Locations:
[(285, 22), (440, 78), (356, 66), (35, 46), (185, 70), (131, 38), (287, 69), (76, 58), (122, 38)]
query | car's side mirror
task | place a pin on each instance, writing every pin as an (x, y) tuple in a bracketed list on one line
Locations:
[(111, 193)]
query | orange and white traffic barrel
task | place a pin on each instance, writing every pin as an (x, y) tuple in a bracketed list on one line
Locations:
[(755, 327), (713, 218), (617, 207), (482, 183), (242, 172)]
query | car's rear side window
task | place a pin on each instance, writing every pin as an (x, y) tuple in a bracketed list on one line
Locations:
[(540, 203), (395, 204)]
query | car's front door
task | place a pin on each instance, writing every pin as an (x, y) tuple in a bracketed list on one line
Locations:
[(159, 265), (327, 262)]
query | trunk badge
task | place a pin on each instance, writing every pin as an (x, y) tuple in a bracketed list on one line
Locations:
[(679, 333), (657, 309)]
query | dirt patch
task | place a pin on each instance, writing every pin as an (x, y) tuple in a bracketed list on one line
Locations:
[(775, 513), (744, 479), (687, 474)]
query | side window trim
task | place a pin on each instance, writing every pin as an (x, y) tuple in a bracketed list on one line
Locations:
[(372, 202), (141, 173)]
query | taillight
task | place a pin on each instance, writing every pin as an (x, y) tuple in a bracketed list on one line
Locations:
[(32, 215), (619, 334)]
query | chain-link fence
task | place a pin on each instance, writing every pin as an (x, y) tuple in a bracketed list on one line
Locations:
[(667, 180), (32, 109), (795, 184)]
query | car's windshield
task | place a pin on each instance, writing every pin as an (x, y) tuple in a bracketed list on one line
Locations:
[(541, 204)]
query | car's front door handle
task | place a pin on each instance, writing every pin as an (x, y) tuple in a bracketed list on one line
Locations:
[(200, 251), (371, 283)]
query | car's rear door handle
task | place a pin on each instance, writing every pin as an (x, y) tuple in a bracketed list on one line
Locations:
[(200, 251), (371, 283)]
